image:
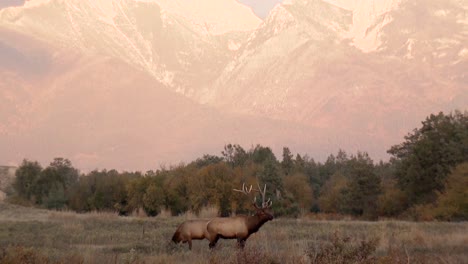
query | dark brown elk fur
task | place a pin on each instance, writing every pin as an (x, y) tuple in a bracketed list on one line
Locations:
[(190, 230)]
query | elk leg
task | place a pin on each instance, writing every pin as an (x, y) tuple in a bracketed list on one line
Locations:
[(213, 243), (241, 243), (190, 244)]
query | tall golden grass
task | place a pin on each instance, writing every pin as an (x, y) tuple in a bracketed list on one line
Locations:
[(41, 236)]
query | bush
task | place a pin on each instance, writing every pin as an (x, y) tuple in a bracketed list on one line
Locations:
[(20, 255), (253, 255), (344, 250)]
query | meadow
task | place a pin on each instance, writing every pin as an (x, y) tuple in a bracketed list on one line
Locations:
[(40, 236)]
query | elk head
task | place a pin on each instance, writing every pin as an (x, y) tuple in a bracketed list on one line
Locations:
[(263, 211)]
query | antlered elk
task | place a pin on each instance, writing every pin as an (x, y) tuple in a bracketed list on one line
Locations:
[(242, 226), (190, 230)]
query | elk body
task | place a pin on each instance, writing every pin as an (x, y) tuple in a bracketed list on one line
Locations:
[(190, 230), (239, 227)]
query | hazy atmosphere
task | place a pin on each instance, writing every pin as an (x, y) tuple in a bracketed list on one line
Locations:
[(234, 131), (136, 84)]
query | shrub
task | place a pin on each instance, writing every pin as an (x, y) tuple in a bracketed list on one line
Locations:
[(21, 255), (343, 250), (253, 255)]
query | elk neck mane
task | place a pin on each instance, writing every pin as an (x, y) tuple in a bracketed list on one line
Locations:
[(254, 222)]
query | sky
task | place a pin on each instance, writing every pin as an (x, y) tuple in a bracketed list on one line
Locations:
[(5, 3), (260, 7)]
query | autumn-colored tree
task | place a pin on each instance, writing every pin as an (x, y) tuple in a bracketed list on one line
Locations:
[(136, 190), (213, 186), (452, 203), (392, 201), (177, 189), (299, 187), (331, 195), (153, 197)]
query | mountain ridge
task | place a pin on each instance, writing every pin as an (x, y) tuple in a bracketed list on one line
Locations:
[(299, 79)]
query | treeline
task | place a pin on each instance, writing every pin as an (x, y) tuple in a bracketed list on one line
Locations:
[(426, 178)]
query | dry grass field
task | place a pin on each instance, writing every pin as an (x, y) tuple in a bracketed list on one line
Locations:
[(39, 236)]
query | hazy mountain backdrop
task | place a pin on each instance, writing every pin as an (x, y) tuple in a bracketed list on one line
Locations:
[(133, 84)]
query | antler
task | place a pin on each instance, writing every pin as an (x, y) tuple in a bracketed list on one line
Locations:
[(245, 190), (267, 203)]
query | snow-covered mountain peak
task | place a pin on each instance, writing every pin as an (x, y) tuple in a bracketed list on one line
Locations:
[(212, 16), (218, 16), (368, 18), (280, 17), (375, 7)]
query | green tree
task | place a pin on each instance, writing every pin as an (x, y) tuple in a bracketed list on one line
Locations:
[(299, 163), (55, 198), (102, 191), (209, 159), (261, 154), (327, 169), (56, 180), (363, 189), (234, 155), (79, 195), (341, 159), (427, 155), (287, 164), (270, 175), (25, 182)]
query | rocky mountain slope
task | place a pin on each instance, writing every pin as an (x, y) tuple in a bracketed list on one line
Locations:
[(131, 84), (176, 47), (305, 63)]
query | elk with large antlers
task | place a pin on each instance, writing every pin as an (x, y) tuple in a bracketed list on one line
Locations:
[(242, 226)]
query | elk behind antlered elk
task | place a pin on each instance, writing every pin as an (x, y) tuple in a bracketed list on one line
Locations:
[(242, 226), (190, 230)]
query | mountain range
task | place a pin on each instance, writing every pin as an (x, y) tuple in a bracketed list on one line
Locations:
[(135, 84)]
